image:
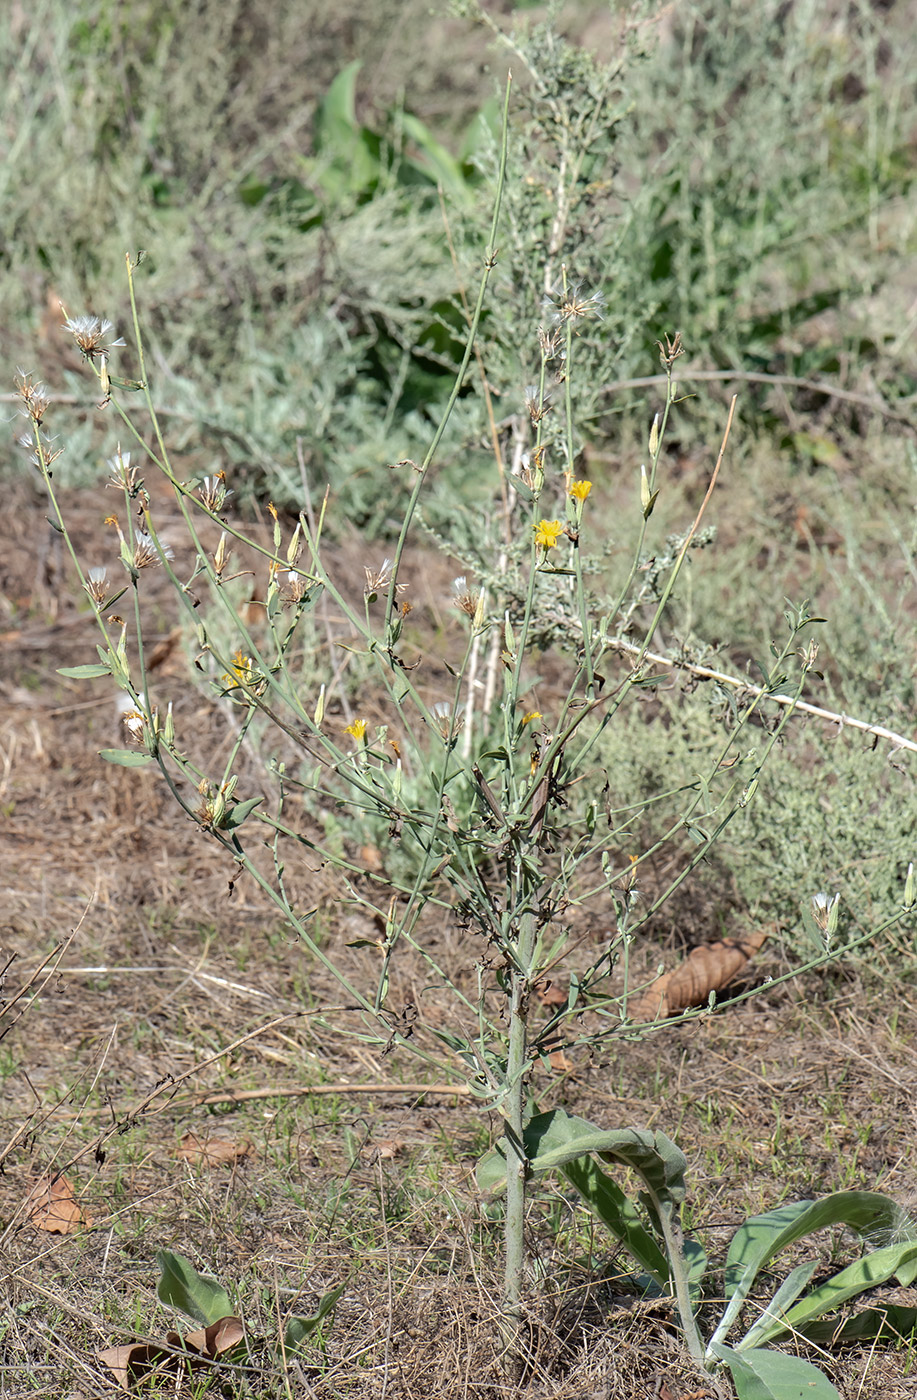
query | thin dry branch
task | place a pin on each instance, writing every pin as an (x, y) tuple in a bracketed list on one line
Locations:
[(899, 741)]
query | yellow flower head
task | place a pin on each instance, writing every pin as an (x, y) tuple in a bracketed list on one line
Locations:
[(532, 715), (579, 490), (547, 533), (356, 730), (242, 668)]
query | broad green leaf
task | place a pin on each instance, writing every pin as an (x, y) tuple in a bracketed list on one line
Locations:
[(520, 487), (763, 1236), (349, 162), (181, 1286), (299, 1329), (446, 170), (125, 758), (556, 1138), (238, 813), (481, 130), (89, 672), (336, 124), (772, 1375), (618, 1214), (552, 1140), (874, 1268)]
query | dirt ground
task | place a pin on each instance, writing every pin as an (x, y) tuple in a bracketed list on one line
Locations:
[(176, 1012)]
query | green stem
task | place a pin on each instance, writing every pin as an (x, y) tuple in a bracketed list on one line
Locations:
[(489, 264), (516, 1161)]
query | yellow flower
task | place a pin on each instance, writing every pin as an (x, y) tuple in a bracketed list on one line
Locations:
[(547, 533), (242, 668), (357, 729), (579, 490), (532, 715)]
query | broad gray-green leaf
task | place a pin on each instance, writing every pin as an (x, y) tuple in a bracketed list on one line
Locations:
[(181, 1286), (618, 1214), (874, 1268), (772, 1375), (552, 1140), (299, 1329), (125, 758), (763, 1236), (238, 813)]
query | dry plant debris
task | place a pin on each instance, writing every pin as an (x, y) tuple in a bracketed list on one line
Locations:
[(214, 1151), (708, 968), (134, 1362), (53, 1207)]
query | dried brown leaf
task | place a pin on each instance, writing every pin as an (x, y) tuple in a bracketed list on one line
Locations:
[(708, 968), (214, 1151), (386, 1149), (550, 993), (214, 1341), (53, 1207), (131, 1363)]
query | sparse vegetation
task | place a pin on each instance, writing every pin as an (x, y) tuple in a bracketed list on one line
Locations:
[(491, 810)]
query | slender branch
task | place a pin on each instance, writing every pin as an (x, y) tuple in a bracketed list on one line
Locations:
[(815, 386), (708, 673)]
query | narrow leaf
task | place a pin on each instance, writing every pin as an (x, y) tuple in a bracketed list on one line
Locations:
[(125, 758), (300, 1329), (874, 1268), (783, 1299), (89, 672), (891, 1323)]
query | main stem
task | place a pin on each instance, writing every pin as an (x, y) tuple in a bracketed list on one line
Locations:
[(516, 1161)]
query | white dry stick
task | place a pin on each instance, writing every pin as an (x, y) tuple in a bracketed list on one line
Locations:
[(898, 740)]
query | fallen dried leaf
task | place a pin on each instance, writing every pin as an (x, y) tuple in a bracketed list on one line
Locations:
[(213, 1151), (53, 1207), (131, 1363), (708, 968), (385, 1149)]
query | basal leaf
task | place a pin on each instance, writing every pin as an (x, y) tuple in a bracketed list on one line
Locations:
[(299, 1329), (760, 1238), (181, 1286), (772, 1375)]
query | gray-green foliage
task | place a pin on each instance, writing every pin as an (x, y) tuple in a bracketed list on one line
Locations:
[(732, 172), (826, 815), (766, 146), (650, 1232)]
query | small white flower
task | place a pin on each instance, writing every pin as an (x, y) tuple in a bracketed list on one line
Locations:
[(826, 911), (213, 492), (123, 475), (90, 332), (573, 306), (96, 585), (146, 555)]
